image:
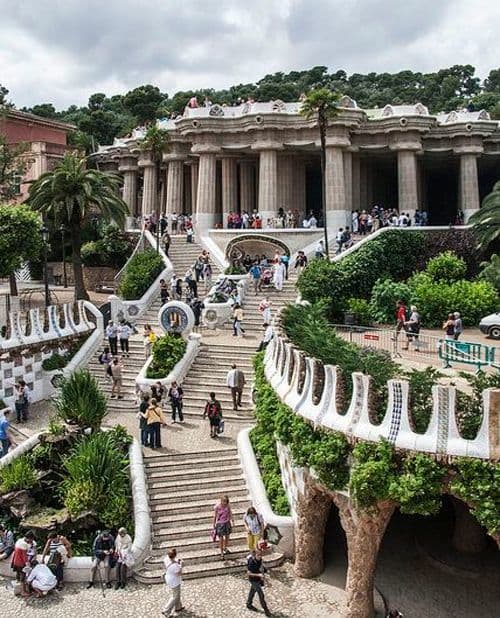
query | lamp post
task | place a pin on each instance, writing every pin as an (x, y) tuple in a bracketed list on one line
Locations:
[(62, 229), (45, 238)]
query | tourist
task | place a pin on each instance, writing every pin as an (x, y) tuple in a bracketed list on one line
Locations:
[(256, 275), (154, 419), (164, 295), (21, 558), (458, 328), (124, 332), (166, 241), (265, 310), (173, 580), (105, 359), (197, 306), (58, 550), (449, 326), (149, 338), (198, 268), (320, 250), (6, 542), (207, 275), (175, 394), (279, 275), (412, 327), (178, 289), (143, 424), (237, 319), (102, 550), (191, 282), (163, 224), (339, 239), (123, 547), (400, 318), (354, 219), (268, 335), (112, 335), (222, 524), (41, 579), (173, 220), (347, 238), (189, 235), (255, 573), (22, 401), (116, 368), (254, 526), (285, 260), (5, 433), (157, 391), (213, 411), (235, 381), (313, 222), (300, 262)]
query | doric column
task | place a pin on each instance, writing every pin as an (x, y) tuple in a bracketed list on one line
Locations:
[(149, 185), (268, 189), (285, 183), (336, 211), (299, 189), (194, 186), (205, 199), (469, 187), (348, 181), (175, 184), (229, 187), (407, 182), (247, 187), (356, 182), (129, 170)]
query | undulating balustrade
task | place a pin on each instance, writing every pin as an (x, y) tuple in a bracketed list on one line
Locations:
[(311, 389)]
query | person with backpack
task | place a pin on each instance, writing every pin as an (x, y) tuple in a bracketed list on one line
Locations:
[(58, 550), (300, 262), (213, 411), (175, 394), (103, 551), (254, 526), (105, 359)]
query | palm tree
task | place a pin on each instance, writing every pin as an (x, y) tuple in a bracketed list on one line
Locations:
[(321, 104), (156, 142), (69, 194), (486, 221)]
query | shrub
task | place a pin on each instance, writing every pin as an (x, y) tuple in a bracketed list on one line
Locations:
[(385, 293), (81, 401), (112, 249), (462, 242), (362, 309), (140, 274), (373, 472), (168, 350), (446, 267), (470, 407), (56, 361), (20, 474), (491, 271), (236, 269), (421, 402), (418, 486)]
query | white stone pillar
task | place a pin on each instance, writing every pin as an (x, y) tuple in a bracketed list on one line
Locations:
[(247, 187), (149, 189), (407, 182), (175, 185), (229, 188), (469, 186), (205, 201), (130, 189), (285, 183), (336, 211), (268, 189), (194, 186), (356, 182), (348, 183), (299, 190)]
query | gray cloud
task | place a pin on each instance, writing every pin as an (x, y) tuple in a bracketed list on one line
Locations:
[(64, 50)]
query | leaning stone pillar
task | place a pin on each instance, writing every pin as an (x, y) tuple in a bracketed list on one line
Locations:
[(364, 531), (206, 216), (175, 184), (469, 187), (407, 182), (313, 508), (336, 209), (247, 187), (149, 186), (229, 187), (268, 189)]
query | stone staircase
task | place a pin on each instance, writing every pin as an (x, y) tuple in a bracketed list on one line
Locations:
[(183, 255)]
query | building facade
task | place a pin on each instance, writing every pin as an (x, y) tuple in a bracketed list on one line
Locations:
[(46, 140), (266, 156)]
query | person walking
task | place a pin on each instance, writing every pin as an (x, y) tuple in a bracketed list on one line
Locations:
[(123, 546), (164, 294), (124, 332), (173, 580), (285, 260), (265, 310), (166, 240), (105, 359), (175, 394), (268, 335), (255, 573), (237, 319), (22, 401), (102, 549), (149, 337), (155, 419), (256, 275), (116, 377), (458, 327), (254, 526), (279, 275), (400, 321), (5, 435), (143, 423), (112, 335), (213, 411), (449, 335), (320, 250), (58, 550), (300, 262), (412, 327), (235, 381), (222, 523)]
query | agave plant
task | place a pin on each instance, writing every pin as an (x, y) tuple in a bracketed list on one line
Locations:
[(81, 401)]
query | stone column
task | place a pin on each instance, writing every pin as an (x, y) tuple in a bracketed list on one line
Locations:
[(299, 189), (149, 187), (268, 189), (247, 187), (229, 188), (469, 187), (348, 183), (286, 183), (175, 184), (407, 182), (130, 189), (205, 199), (356, 182), (336, 211), (194, 185), (188, 196)]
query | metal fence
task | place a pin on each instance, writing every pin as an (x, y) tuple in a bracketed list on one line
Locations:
[(422, 347)]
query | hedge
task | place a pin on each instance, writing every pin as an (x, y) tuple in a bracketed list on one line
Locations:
[(140, 274)]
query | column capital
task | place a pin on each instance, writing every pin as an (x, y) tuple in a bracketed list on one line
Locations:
[(469, 149), (202, 149), (263, 146), (173, 156), (145, 160), (335, 141)]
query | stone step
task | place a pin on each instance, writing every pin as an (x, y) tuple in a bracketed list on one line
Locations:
[(171, 496), (151, 459), (239, 552), (153, 466), (168, 535), (204, 503), (186, 471), (195, 483), (196, 571), (161, 521), (195, 543)]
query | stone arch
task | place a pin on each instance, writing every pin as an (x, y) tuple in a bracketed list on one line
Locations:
[(254, 244)]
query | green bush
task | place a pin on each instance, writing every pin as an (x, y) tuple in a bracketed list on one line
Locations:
[(20, 474), (56, 361), (361, 308), (112, 249), (81, 401), (140, 274), (470, 406), (421, 402), (373, 472), (235, 270), (446, 267), (168, 350), (385, 293), (491, 271), (419, 485)]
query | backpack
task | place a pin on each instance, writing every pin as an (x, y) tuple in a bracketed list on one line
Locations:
[(213, 409), (109, 370)]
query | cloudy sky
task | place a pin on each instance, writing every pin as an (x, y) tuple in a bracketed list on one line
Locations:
[(62, 51)]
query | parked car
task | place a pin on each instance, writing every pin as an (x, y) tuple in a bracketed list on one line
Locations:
[(490, 325)]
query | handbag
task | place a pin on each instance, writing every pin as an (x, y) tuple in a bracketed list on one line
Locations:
[(129, 559), (220, 428), (213, 535)]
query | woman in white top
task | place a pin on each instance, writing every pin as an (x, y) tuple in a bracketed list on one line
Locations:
[(254, 526), (123, 546), (173, 580)]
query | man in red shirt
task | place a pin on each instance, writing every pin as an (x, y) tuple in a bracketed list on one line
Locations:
[(400, 319)]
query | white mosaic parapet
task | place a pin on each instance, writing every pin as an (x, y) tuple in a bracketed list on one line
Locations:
[(442, 437)]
